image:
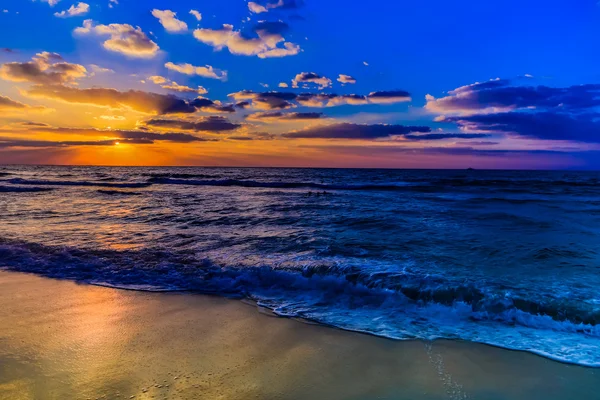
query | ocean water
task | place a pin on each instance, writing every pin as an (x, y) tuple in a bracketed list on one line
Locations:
[(510, 259)]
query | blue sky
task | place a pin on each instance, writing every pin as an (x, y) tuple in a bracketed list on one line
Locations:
[(416, 59)]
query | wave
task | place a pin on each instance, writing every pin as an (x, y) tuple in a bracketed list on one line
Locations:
[(276, 185), (400, 305), (119, 193), (174, 175), (17, 189), (19, 181)]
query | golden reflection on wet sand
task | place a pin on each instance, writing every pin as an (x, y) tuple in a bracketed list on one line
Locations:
[(60, 340)]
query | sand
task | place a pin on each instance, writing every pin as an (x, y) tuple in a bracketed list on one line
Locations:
[(61, 340)]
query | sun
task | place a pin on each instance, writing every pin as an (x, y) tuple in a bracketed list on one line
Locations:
[(117, 143)]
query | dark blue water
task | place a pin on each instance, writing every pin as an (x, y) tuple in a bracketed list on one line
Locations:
[(504, 258)]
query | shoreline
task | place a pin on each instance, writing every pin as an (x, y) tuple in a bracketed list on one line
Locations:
[(64, 340), (272, 313)]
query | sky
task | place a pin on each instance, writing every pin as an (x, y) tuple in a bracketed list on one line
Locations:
[(302, 83)]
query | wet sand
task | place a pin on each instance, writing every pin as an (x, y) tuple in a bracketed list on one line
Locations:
[(61, 340)]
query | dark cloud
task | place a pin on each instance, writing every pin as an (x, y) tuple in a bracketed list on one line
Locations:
[(202, 124), (456, 151), (141, 134), (240, 138), (281, 116), (7, 104), (284, 100), (204, 104), (355, 131), (477, 143), (538, 125), (442, 136), (37, 124), (499, 94), (266, 100), (272, 27), (304, 78), (146, 102), (7, 50), (391, 96), (4, 143), (45, 68)]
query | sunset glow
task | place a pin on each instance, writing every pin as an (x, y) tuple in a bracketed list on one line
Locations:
[(276, 84)]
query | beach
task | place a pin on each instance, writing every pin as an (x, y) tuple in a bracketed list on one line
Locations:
[(62, 340)]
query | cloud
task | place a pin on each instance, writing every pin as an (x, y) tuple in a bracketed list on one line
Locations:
[(267, 100), (535, 112), (207, 105), (331, 100), (7, 105), (44, 68), (285, 117), (207, 71), (96, 69), (271, 27), (285, 4), (256, 8), (16, 143), (266, 45), (52, 3), (346, 79), (174, 86), (157, 79), (355, 131), (283, 100), (442, 136), (38, 124), (196, 14), (122, 137), (142, 135), (283, 85), (74, 10), (545, 125), (311, 77), (213, 124), (113, 117), (389, 97), (500, 96), (124, 39), (168, 19), (145, 102)]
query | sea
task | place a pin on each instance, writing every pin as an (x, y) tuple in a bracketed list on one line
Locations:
[(506, 258)]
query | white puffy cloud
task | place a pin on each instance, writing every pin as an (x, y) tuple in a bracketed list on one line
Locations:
[(266, 45), (176, 87), (346, 79), (188, 69), (168, 19), (157, 80), (124, 39), (311, 77), (256, 8), (52, 3), (74, 10), (196, 14)]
